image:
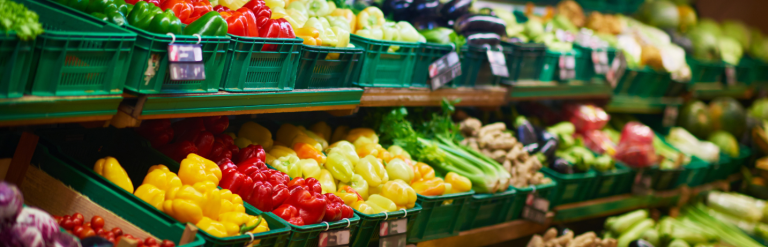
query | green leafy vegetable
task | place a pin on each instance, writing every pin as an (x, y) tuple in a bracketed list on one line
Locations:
[(15, 17)]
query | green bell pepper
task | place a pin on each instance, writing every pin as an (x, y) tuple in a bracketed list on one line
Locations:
[(98, 6), (318, 8), (210, 24), (142, 14), (113, 15), (81, 5), (101, 16), (165, 22), (122, 6), (129, 8)]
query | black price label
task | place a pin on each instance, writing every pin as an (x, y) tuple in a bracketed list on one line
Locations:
[(600, 62), (567, 65), (444, 70), (185, 53), (334, 238), (498, 63), (642, 184), (730, 75), (185, 62), (398, 240), (535, 208), (393, 227), (618, 67), (187, 71)]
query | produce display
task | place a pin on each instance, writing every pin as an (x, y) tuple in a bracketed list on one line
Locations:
[(75, 224), (28, 226)]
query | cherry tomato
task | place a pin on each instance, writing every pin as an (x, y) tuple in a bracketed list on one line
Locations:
[(67, 223), (87, 232), (152, 245), (78, 219), (77, 230), (100, 231), (117, 231), (140, 243), (109, 234), (97, 222), (111, 240), (57, 219), (88, 224), (150, 241), (167, 243)]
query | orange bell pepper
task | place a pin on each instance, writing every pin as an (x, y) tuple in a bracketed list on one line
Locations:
[(429, 187), (306, 151)]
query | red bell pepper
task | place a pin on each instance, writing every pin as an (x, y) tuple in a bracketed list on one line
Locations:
[(181, 8), (191, 125), (158, 132), (233, 180), (200, 8), (219, 152), (219, 8), (216, 124), (251, 151), (258, 185), (302, 207), (286, 31), (226, 15), (310, 184), (336, 209), (133, 2), (203, 140), (243, 23), (261, 10), (179, 150)]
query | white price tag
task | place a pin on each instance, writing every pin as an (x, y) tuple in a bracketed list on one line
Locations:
[(730, 75), (600, 62), (567, 65), (535, 208), (334, 238), (185, 62), (498, 63), (388, 228), (444, 70)]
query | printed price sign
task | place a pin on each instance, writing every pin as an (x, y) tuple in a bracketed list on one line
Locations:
[(186, 62), (567, 65), (670, 116), (600, 62), (444, 70), (334, 238), (642, 184), (393, 241), (730, 75), (535, 208), (498, 63), (393, 233)]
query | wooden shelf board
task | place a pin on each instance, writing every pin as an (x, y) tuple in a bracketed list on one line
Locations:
[(633, 104), (478, 96), (537, 90), (31, 110), (491, 234)]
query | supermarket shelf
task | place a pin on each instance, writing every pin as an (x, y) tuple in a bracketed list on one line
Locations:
[(477, 96), (536, 90), (491, 234), (716, 89), (227, 103), (31, 110), (631, 104)]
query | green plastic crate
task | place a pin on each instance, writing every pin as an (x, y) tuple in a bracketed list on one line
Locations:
[(80, 148), (426, 55), (440, 216), (77, 55), (15, 59), (475, 68), (744, 158), (570, 187), (707, 72), (661, 179), (526, 60), (368, 233), (614, 182), (646, 83), (551, 69), (251, 69), (382, 68), (488, 209), (720, 169), (543, 190), (593, 5), (308, 235), (694, 173), (316, 70), (586, 58)]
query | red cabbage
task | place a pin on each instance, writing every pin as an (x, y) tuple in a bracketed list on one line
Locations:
[(42, 221), (10, 204)]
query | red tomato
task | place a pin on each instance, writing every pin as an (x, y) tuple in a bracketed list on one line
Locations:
[(78, 219), (100, 231), (87, 232), (88, 224), (140, 242), (150, 241), (77, 230), (109, 234), (117, 231), (67, 223), (111, 240), (167, 243), (97, 222)]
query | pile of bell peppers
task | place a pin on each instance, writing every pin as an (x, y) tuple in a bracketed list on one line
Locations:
[(203, 136), (192, 196), (371, 24)]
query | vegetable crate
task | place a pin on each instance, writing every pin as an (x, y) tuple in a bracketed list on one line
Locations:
[(589, 62), (475, 67), (327, 67), (103, 194), (703, 71), (720, 169), (309, 235), (81, 148), (661, 179), (77, 55), (426, 55), (610, 183), (385, 63), (755, 70), (526, 61), (440, 216), (570, 187), (543, 190), (15, 59), (368, 233), (149, 72), (250, 68), (488, 209), (693, 173), (551, 69), (647, 83)]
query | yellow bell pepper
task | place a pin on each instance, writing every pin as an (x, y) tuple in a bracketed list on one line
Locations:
[(321, 129), (400, 193), (317, 138), (371, 33), (304, 138), (340, 167), (237, 223), (448, 188), (381, 204), (326, 181), (340, 133), (288, 165), (364, 146), (275, 3), (356, 133), (110, 169), (348, 15), (269, 158), (342, 37), (212, 227), (297, 11), (281, 151), (383, 154), (358, 184), (191, 202), (352, 198), (310, 35), (256, 133), (370, 169), (309, 168), (429, 187), (458, 183), (195, 169), (231, 202), (286, 133), (345, 148), (396, 150), (398, 169), (158, 181), (370, 17)]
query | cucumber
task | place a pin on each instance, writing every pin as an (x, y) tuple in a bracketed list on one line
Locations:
[(652, 236), (635, 232), (625, 222)]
